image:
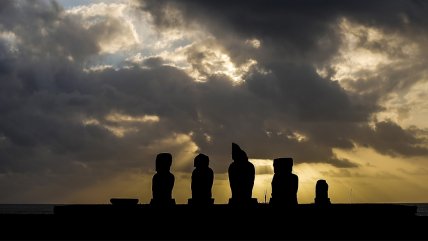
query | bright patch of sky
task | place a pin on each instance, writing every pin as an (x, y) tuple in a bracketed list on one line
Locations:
[(67, 4)]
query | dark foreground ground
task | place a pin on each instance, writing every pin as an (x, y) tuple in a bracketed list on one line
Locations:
[(219, 222)]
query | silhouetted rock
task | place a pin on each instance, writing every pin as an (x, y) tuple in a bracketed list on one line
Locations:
[(241, 177), (284, 183), (202, 181), (321, 192), (163, 181)]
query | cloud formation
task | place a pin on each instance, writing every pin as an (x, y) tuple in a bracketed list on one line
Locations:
[(262, 74), (331, 112)]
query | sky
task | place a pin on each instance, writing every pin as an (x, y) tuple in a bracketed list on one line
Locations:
[(92, 91)]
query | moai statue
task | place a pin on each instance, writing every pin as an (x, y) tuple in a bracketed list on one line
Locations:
[(163, 181), (321, 193), (202, 182), (241, 178), (284, 183)]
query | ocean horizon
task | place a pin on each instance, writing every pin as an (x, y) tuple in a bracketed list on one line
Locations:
[(48, 209)]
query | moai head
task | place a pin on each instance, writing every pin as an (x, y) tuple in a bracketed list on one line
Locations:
[(201, 161), (238, 155), (321, 193), (163, 162), (283, 165), (321, 188)]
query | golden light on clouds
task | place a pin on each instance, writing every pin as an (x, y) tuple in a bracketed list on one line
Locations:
[(361, 57), (121, 124), (117, 117), (210, 60), (354, 57), (297, 136), (409, 108)]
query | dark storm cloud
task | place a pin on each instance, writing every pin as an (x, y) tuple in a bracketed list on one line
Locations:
[(299, 28), (45, 95), (389, 138), (41, 25)]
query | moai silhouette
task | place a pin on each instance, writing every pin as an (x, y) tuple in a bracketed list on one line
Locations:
[(321, 193), (163, 181), (241, 178), (202, 181), (284, 183)]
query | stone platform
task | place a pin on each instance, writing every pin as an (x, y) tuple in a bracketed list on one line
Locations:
[(219, 222)]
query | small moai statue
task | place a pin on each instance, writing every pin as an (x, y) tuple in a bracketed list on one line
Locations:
[(163, 181), (321, 193), (285, 184), (202, 182)]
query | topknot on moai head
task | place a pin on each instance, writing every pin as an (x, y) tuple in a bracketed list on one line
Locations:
[(201, 160), (238, 155), (284, 164), (163, 162)]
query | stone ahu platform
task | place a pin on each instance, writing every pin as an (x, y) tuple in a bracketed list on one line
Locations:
[(216, 211), (261, 221)]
